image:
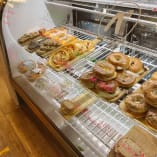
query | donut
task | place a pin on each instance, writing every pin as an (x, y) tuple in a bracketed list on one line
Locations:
[(136, 65), (126, 79), (136, 104), (119, 60), (151, 94), (88, 79), (151, 117), (154, 76), (104, 71)]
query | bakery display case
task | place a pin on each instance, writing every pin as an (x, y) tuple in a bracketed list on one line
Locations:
[(75, 68)]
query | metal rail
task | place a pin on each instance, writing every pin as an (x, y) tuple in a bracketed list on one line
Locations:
[(65, 5)]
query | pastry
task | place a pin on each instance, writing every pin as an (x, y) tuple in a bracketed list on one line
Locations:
[(154, 76), (108, 90), (151, 94), (27, 37), (136, 105), (151, 117), (68, 107), (33, 45), (37, 72), (126, 147), (26, 65), (136, 65), (77, 104), (105, 71), (89, 79), (146, 85), (61, 57), (126, 79), (119, 60)]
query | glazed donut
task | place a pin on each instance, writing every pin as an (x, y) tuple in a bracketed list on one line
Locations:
[(151, 117), (88, 79), (151, 94), (119, 60), (135, 103), (154, 76), (105, 71), (125, 79), (136, 65)]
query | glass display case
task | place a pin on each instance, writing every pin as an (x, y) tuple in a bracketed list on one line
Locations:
[(97, 124)]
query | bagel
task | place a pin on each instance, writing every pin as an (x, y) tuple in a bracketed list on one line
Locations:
[(154, 76), (119, 60), (136, 105), (151, 94), (104, 68), (136, 65), (146, 85), (126, 79), (104, 71), (109, 96), (88, 79), (109, 87), (151, 117)]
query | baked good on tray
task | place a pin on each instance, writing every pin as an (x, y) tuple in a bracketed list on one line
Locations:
[(47, 46), (59, 34), (126, 147), (118, 69), (142, 104), (71, 107), (68, 53), (119, 60), (126, 79), (28, 37), (151, 117), (108, 90), (105, 71), (37, 72), (26, 65), (136, 105), (89, 79), (124, 62)]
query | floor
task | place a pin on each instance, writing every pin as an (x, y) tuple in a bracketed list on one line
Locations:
[(20, 136)]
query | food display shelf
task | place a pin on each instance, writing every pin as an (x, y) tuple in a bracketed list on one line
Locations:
[(77, 69), (103, 124), (96, 129)]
